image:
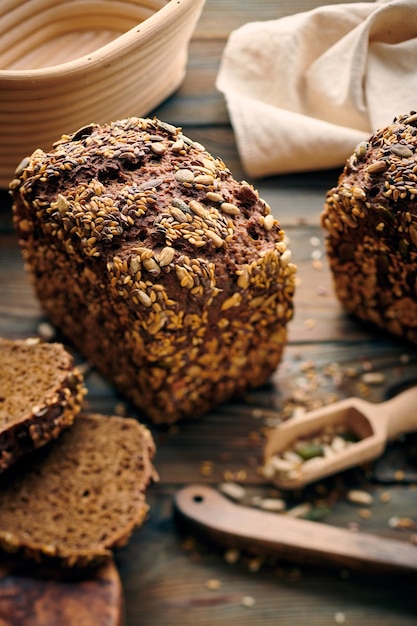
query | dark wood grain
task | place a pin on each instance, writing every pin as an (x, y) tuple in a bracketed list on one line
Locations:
[(165, 568), (174, 567)]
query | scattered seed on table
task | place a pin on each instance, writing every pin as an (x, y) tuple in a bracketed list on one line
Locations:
[(393, 522), (316, 254), (121, 409), (233, 490), (399, 475), (248, 601), (365, 514), (241, 475), (403, 523), (357, 496), (206, 468), (213, 584), (255, 564), (315, 241), (272, 504), (300, 510), (373, 378), (231, 556), (46, 331), (385, 497)]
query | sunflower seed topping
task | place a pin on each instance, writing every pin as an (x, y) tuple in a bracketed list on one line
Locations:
[(230, 209), (184, 175), (154, 236), (383, 214), (401, 150), (166, 256)]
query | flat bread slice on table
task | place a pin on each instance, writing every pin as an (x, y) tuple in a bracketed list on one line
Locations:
[(73, 500)]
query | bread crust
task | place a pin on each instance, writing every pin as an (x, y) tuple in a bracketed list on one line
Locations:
[(44, 408), (170, 276), (370, 219)]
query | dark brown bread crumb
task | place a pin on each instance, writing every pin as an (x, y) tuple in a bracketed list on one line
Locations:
[(41, 392), (80, 496), (371, 223), (169, 275)]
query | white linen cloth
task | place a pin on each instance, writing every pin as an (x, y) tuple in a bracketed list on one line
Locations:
[(302, 91)]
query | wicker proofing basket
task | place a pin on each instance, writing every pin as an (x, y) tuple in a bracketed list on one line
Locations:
[(67, 63)]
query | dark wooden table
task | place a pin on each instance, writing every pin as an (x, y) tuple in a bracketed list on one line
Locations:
[(173, 578)]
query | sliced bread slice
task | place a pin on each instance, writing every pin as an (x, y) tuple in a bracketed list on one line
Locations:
[(41, 392), (78, 497)]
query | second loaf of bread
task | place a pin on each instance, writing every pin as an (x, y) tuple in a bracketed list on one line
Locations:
[(371, 221), (167, 274)]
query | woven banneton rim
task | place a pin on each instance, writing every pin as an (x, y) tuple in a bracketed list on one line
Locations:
[(72, 62)]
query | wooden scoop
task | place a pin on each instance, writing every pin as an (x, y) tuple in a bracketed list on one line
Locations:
[(372, 425), (303, 541)]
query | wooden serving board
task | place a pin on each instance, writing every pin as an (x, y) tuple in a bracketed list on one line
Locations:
[(49, 598)]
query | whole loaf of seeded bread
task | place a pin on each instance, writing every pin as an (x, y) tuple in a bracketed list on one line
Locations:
[(370, 219), (170, 276)]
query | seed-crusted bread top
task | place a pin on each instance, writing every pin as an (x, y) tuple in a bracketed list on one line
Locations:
[(371, 223), (41, 392), (75, 499), (168, 274)]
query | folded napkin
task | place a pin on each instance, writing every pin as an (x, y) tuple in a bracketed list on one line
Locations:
[(302, 91)]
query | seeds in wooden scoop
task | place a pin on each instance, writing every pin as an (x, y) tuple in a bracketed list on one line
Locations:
[(305, 453), (309, 449)]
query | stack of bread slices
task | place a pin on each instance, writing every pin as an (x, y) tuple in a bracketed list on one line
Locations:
[(72, 484)]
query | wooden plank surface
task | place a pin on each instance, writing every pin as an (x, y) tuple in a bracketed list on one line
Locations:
[(173, 578)]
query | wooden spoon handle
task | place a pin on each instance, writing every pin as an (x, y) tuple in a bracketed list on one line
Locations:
[(401, 412), (297, 540)]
